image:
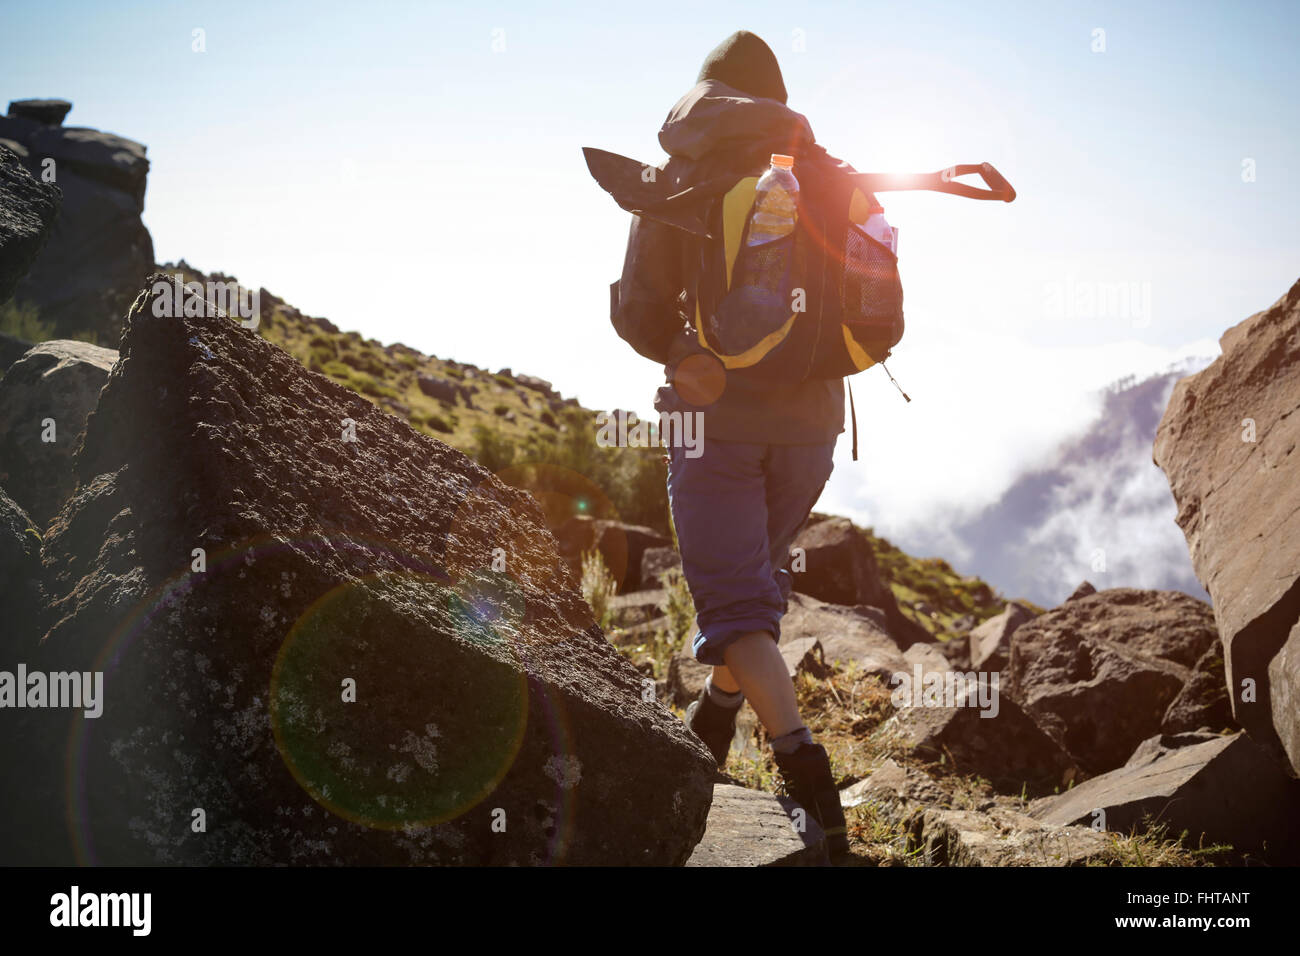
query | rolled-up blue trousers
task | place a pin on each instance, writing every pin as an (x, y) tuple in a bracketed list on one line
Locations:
[(736, 509)]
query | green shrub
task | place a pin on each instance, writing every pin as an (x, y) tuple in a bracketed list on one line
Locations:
[(500, 409), (598, 588), (505, 380), (439, 424), (22, 321), (491, 449), (677, 605), (368, 386), (318, 358), (366, 361), (452, 372)]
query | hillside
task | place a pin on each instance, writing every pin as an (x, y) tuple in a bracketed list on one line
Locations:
[(512, 423)]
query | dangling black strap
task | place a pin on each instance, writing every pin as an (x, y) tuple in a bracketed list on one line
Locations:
[(854, 414), (896, 385)]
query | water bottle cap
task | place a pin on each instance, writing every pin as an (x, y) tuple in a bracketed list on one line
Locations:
[(780, 159)]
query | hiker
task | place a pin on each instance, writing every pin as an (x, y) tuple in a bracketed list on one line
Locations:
[(766, 448)]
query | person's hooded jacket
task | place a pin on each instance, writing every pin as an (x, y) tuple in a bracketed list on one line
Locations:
[(713, 129)]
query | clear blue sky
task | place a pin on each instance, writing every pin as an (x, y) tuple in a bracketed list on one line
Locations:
[(383, 165)]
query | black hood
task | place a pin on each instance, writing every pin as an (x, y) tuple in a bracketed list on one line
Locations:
[(744, 62), (716, 117)]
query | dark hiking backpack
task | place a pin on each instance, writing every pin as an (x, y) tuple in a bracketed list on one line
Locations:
[(833, 304), (824, 301)]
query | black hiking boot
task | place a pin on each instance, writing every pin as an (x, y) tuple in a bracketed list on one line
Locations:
[(808, 782), (714, 724)]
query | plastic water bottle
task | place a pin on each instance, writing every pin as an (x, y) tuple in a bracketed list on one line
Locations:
[(774, 212), (880, 230)]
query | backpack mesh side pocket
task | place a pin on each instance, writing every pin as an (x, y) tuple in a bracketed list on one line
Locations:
[(871, 296)]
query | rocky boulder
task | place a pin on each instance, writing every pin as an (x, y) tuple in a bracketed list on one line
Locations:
[(100, 251), (1203, 701), (753, 828), (1228, 789), (46, 112), (298, 605), (28, 208), (656, 561), (982, 733), (847, 635), (45, 398), (991, 835), (1227, 445), (990, 642), (621, 546), (839, 567), (22, 601), (444, 389), (1099, 673), (1082, 591), (537, 385)]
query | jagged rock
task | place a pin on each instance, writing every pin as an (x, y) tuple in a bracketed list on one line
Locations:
[(47, 112), (1098, 673), (655, 561), (1284, 690), (100, 251), (1008, 749), (637, 607), (957, 652), (845, 634), (333, 564), (58, 380), (753, 828), (1203, 701), (686, 675), (1226, 444), (32, 828), (28, 208), (1082, 591), (993, 836), (537, 385), (1230, 789), (397, 408), (1001, 836), (840, 567), (324, 324), (804, 655), (22, 601), (442, 389), (929, 658), (990, 643), (897, 789), (621, 546)]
